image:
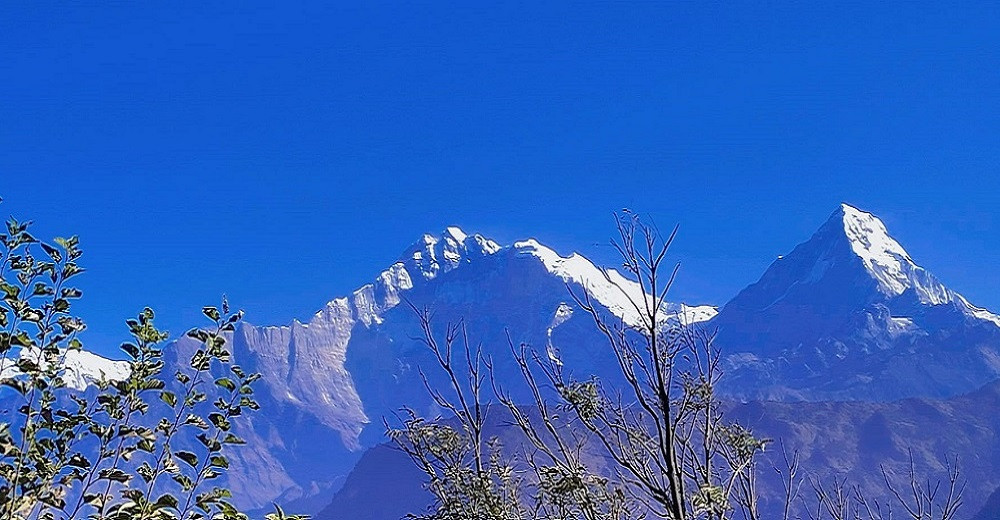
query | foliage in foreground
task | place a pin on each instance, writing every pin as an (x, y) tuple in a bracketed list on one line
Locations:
[(147, 446)]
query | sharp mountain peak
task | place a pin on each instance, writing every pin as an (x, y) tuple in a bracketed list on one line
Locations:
[(854, 248)]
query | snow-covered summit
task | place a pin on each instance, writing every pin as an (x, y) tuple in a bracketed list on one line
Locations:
[(85, 368), (425, 259), (888, 263), (851, 260), (432, 255), (884, 258), (882, 254)]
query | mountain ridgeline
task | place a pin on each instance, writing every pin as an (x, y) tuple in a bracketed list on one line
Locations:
[(846, 315)]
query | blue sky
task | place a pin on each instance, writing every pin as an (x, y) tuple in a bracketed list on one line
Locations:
[(284, 153)]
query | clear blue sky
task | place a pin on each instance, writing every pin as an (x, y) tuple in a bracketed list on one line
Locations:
[(284, 153)]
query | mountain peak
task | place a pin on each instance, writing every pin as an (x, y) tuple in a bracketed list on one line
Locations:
[(434, 254), (868, 233), (850, 262), (455, 233), (882, 255)]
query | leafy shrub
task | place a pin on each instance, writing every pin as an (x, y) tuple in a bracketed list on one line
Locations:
[(146, 446)]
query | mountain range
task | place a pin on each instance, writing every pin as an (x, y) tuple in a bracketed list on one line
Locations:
[(846, 315)]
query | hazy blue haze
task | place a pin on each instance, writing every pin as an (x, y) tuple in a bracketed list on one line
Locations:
[(284, 153)]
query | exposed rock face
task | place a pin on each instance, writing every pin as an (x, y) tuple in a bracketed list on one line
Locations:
[(849, 315)]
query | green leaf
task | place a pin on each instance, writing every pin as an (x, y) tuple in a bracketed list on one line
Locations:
[(146, 445), (17, 384), (70, 270), (212, 313), (190, 458), (168, 397), (185, 481), (145, 471), (115, 475), (200, 361), (21, 339), (166, 501), (212, 444), (41, 289), (78, 461), (195, 420), (232, 439), (131, 350), (11, 291), (219, 421), (53, 253)]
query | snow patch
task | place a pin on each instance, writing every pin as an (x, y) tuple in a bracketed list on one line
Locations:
[(610, 289), (887, 261), (893, 268), (563, 313), (80, 368), (456, 233), (689, 314)]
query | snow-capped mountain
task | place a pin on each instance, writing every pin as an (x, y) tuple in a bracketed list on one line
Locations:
[(849, 315), (454, 274), (328, 383)]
